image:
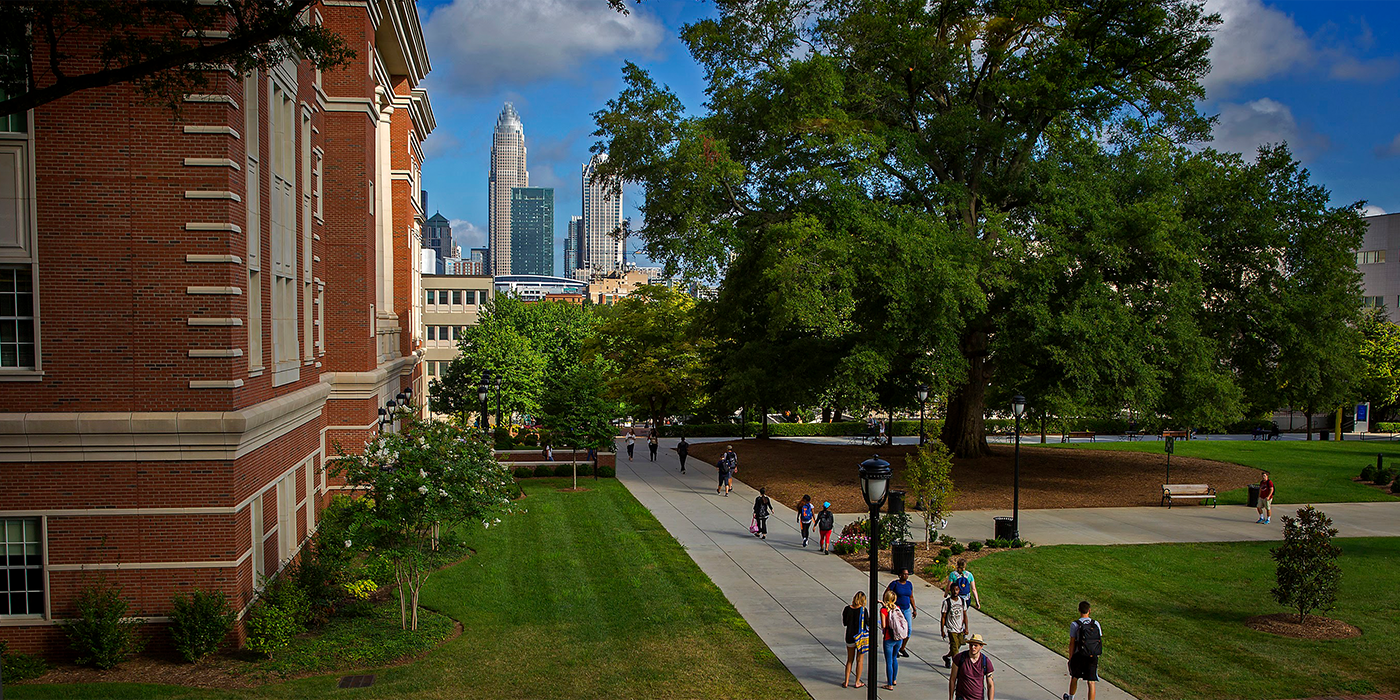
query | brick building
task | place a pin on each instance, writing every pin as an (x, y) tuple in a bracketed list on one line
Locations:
[(203, 309)]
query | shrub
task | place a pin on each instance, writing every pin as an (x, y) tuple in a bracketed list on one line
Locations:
[(859, 526), (102, 634), (530, 440), (1307, 573), (1369, 473), (20, 667), (362, 589), (199, 622), (936, 571), (284, 592), (606, 471), (1395, 487), (270, 628), (957, 548), (945, 552), (1383, 477), (1017, 544), (323, 567), (524, 472), (585, 470), (564, 470), (544, 470), (998, 544), (850, 544), (974, 546), (947, 540)]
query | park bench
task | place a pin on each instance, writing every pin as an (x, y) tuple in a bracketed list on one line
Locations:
[(1200, 492), (1178, 434), (1078, 435), (1131, 435)]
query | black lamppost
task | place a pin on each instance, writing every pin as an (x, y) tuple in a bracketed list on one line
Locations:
[(923, 399), (482, 390), (1018, 407), (498, 401), (874, 487)]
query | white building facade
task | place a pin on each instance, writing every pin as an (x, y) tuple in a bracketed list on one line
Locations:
[(602, 215)]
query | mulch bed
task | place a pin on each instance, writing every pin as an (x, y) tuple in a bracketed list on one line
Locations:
[(1314, 626), (1050, 477), (923, 557)]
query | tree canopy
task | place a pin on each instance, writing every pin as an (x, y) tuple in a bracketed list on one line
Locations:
[(648, 343)]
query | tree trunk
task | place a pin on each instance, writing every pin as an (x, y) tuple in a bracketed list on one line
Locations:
[(839, 415), (964, 430), (765, 424), (826, 414), (889, 427), (1307, 424), (403, 603)]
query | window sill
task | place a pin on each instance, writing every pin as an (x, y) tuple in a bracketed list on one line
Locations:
[(21, 375), (24, 620)]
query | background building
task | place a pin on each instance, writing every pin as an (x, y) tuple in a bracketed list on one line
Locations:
[(507, 172), (450, 304), (607, 289), (532, 231), (537, 287), (437, 236), (1378, 261), (602, 215), (573, 247), (186, 362)]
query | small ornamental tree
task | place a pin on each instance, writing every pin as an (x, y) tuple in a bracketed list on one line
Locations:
[(575, 409), (928, 474), (428, 479), (1308, 574)]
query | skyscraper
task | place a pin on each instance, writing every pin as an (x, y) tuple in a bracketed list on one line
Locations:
[(437, 236), (531, 231), (573, 247), (507, 172), (602, 215)]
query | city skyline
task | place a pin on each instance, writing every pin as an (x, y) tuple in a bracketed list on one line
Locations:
[(508, 171)]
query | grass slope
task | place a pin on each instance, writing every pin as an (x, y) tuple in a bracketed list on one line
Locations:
[(1173, 617), (584, 596), (1303, 472)]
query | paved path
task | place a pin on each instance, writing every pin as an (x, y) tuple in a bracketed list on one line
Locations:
[(793, 596)]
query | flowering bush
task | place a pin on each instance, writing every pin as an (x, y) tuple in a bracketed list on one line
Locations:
[(419, 484), (362, 589), (849, 544)]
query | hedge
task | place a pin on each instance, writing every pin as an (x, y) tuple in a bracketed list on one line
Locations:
[(563, 469), (1386, 427)]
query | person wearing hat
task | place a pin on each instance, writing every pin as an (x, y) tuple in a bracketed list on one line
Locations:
[(971, 678), (825, 523)]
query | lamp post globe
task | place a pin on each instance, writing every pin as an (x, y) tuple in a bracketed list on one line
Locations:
[(923, 399), (1018, 408), (483, 390), (875, 476)]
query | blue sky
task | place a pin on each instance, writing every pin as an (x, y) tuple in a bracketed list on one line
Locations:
[(1323, 75)]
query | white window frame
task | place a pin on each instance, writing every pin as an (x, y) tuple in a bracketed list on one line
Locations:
[(21, 250), (21, 543), (286, 344)]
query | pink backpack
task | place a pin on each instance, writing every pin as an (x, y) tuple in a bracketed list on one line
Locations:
[(899, 627)]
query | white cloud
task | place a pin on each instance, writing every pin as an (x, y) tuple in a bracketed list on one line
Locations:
[(1254, 42), (468, 235), (1372, 210), (1373, 70), (1389, 150), (484, 44), (1242, 128)]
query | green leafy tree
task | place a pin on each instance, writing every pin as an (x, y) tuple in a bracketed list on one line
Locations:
[(1307, 572), (577, 411), (653, 357), (164, 47), (418, 484), (891, 147), (1380, 362), (928, 476)]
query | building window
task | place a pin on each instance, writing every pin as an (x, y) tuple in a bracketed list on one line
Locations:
[(1373, 302), (16, 318), (282, 130), (456, 297), (432, 369), (1370, 257), (432, 333), (471, 297), (430, 297), (22, 574), (252, 224)]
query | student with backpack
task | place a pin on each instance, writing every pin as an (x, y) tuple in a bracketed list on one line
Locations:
[(966, 584), (896, 631), (1085, 647), (971, 678), (903, 590), (762, 508), (804, 517), (683, 451), (826, 522), (953, 624), (857, 637)]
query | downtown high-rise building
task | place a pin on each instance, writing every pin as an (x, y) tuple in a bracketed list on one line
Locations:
[(573, 247), (602, 217), (507, 172), (531, 231), (437, 237)]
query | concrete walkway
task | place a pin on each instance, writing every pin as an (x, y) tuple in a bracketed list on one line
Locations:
[(793, 596)]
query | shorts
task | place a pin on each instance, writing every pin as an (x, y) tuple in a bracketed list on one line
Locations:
[(1265, 503), (955, 641), (723, 479), (1084, 667)]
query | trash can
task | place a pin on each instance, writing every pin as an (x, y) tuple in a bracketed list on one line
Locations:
[(1003, 529), (895, 504), (1324, 435), (902, 557), (1254, 495)]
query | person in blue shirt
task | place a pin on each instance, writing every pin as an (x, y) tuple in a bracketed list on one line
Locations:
[(904, 592), (804, 517), (967, 585)]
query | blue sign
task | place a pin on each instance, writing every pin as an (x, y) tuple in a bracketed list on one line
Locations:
[(1361, 412)]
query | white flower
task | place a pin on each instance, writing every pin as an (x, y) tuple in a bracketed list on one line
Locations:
[(422, 473), (423, 489), (347, 544), (498, 520), (442, 493), (485, 524), (390, 497)]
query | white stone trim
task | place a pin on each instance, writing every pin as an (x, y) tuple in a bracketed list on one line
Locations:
[(230, 291), (204, 258), (215, 383), (212, 194), (213, 162), (212, 226), (214, 321), (210, 33), (212, 98), (224, 130), (216, 352)]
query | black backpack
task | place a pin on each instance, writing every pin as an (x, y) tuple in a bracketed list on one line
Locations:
[(1090, 637)]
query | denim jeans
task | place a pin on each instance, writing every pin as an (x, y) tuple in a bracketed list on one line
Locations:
[(891, 661)]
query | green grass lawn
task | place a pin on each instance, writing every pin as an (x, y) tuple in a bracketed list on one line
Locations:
[(1303, 472), (1173, 617), (584, 596)]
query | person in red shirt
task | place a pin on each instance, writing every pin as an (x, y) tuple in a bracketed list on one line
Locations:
[(1266, 499), (971, 678)]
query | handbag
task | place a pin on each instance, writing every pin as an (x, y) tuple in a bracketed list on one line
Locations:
[(863, 638), (753, 526)]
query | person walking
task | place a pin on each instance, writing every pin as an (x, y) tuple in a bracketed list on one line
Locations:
[(892, 622), (826, 522), (631, 442), (728, 464), (762, 508), (653, 443), (1085, 647), (971, 678), (966, 583), (903, 590), (952, 624), (857, 638), (683, 451), (1266, 499), (804, 517), (549, 453)]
